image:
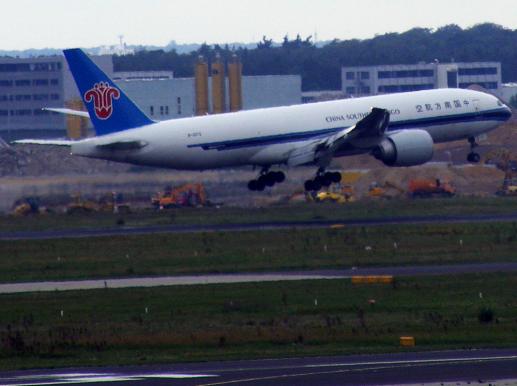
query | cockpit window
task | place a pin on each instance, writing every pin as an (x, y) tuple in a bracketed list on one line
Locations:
[(499, 103)]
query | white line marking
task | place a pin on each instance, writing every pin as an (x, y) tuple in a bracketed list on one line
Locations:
[(81, 378)]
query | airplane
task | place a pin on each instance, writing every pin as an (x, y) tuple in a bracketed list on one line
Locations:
[(397, 129)]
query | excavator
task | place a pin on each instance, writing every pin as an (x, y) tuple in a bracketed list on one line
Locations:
[(184, 195)]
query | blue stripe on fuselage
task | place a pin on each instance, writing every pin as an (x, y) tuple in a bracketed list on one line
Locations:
[(489, 115)]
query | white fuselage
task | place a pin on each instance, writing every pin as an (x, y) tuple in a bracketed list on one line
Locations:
[(266, 137)]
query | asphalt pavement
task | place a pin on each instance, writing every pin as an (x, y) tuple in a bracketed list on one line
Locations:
[(482, 367), (258, 226)]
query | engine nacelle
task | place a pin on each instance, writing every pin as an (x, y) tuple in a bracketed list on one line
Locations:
[(405, 148)]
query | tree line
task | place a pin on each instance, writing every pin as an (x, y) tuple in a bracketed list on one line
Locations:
[(320, 66)]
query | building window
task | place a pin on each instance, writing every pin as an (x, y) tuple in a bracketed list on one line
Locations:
[(405, 74), (12, 67), (4, 113), (22, 98), (166, 110), (365, 90), (41, 112), (6, 83), (350, 75), (350, 90), (151, 110), (23, 82), (452, 79), (21, 112), (40, 82), (426, 73), (178, 100), (384, 74), (162, 109), (365, 75), (54, 82), (40, 97), (54, 97)]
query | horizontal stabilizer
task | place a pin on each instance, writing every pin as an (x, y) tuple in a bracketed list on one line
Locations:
[(78, 113), (47, 142)]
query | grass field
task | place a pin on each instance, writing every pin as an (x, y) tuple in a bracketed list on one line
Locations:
[(280, 213), (254, 320), (169, 254)]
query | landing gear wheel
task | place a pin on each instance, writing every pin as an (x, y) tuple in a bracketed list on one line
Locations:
[(252, 185), (268, 179), (312, 185), (279, 177), (473, 158), (308, 185), (335, 177)]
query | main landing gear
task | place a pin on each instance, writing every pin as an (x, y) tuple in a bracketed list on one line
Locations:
[(266, 178), (473, 157), (322, 179)]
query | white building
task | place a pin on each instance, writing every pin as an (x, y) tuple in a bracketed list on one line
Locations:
[(384, 79)]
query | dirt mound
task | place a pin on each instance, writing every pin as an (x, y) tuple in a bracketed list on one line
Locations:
[(30, 160)]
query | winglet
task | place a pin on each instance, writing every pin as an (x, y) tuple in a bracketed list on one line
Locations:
[(109, 108)]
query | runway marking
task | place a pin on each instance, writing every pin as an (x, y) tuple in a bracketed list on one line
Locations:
[(73, 285), (232, 278), (84, 378)]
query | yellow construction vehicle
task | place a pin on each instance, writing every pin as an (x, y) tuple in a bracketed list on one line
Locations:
[(184, 195), (79, 205), (339, 194), (27, 206)]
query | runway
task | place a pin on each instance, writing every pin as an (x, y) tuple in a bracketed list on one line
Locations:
[(238, 227), (255, 277), (440, 368)]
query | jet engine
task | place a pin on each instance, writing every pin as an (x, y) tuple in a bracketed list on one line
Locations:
[(405, 148)]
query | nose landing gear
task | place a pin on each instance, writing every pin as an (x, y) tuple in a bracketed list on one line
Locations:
[(473, 157), (322, 179), (266, 179)]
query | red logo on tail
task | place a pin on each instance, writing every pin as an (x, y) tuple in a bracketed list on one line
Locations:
[(102, 95)]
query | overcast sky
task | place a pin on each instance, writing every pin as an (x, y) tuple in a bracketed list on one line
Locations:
[(86, 23)]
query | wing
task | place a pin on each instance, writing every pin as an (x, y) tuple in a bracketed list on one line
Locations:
[(47, 142), (322, 150), (78, 113)]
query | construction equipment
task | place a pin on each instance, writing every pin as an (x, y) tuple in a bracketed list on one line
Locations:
[(387, 190), (184, 195), (430, 188), (80, 205), (114, 203), (339, 194), (110, 202), (27, 206)]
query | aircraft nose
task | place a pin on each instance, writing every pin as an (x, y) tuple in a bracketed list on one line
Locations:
[(507, 112)]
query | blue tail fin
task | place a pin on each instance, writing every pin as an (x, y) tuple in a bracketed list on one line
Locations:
[(109, 108)]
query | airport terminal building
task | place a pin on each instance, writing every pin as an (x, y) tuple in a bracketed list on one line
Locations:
[(374, 80)]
